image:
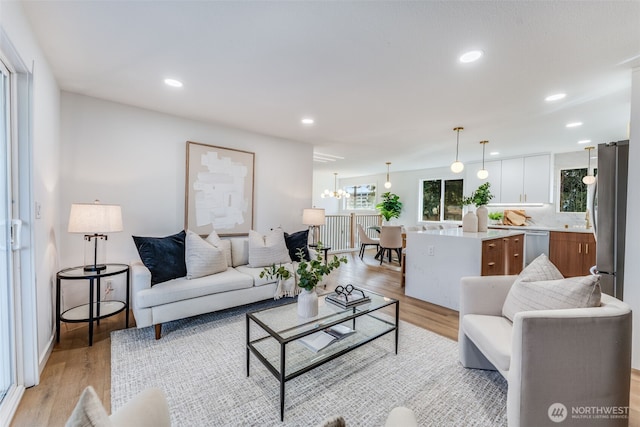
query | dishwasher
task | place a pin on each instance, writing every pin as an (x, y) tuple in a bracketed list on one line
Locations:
[(536, 242)]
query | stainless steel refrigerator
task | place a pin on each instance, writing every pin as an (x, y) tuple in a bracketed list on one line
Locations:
[(609, 207)]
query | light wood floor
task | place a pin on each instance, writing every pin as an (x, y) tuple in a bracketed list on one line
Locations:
[(72, 365)]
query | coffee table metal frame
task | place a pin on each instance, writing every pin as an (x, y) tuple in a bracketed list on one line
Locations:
[(328, 316)]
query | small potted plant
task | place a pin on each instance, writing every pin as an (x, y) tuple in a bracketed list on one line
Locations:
[(480, 197), (309, 275), (390, 206), (496, 217)]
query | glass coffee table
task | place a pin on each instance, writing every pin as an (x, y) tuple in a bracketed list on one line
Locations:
[(275, 340)]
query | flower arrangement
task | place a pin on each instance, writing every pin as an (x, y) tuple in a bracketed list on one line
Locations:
[(310, 273)]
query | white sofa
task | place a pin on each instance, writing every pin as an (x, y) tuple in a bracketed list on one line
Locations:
[(182, 297), (579, 357)]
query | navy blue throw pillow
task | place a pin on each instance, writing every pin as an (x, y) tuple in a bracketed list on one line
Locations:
[(295, 241), (163, 256)]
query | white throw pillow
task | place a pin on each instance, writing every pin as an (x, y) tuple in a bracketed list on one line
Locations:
[(202, 258), (216, 241), (268, 249), (239, 251), (541, 286), (89, 411)]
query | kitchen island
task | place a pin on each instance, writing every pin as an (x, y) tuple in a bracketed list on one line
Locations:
[(437, 259)]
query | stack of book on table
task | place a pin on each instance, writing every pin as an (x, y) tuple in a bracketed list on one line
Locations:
[(321, 339), (344, 299)]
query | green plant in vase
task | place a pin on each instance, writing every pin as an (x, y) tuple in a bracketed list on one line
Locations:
[(309, 275), (480, 197), (311, 272), (390, 206)]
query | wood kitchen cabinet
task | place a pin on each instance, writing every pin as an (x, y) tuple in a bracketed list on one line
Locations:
[(502, 256), (573, 253)]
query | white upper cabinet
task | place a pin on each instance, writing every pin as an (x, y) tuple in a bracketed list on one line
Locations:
[(472, 182), (526, 180)]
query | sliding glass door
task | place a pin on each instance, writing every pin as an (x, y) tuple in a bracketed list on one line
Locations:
[(7, 309)]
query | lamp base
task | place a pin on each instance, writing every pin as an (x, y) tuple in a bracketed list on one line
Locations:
[(98, 267)]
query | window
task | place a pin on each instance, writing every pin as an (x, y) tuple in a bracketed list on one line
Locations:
[(363, 197), (573, 192), (442, 200)]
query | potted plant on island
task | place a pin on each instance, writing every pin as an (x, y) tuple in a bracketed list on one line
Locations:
[(390, 206), (308, 275), (480, 197), (496, 217)]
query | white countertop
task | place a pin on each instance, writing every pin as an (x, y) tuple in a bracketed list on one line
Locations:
[(488, 235), (525, 228)]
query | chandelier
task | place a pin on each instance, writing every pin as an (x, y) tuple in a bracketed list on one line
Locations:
[(336, 193)]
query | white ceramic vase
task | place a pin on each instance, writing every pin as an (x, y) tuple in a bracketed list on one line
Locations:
[(483, 218), (470, 222), (308, 303)]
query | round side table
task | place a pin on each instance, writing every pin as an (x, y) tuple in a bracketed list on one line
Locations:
[(95, 309)]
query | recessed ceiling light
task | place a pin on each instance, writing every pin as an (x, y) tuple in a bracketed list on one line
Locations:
[(584, 141), (574, 124), (307, 121), (494, 153), (173, 82), (555, 97), (472, 55)]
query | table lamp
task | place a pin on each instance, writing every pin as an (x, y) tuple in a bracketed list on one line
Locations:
[(94, 220), (314, 218)]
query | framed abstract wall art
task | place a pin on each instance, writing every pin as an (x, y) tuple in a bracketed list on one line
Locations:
[(219, 190)]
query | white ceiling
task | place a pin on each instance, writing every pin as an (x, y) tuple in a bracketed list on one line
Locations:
[(382, 79)]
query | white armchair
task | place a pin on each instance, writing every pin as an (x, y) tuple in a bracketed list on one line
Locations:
[(578, 357)]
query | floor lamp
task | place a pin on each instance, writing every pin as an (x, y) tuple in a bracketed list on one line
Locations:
[(94, 220), (314, 218)]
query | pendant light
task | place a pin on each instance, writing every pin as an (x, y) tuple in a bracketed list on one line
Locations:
[(483, 173), (457, 166), (589, 179), (336, 193), (387, 184)]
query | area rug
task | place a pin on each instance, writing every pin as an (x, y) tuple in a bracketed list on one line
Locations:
[(200, 363)]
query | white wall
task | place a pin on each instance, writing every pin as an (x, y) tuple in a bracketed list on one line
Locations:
[(133, 157), (406, 185), (632, 250), (45, 175)]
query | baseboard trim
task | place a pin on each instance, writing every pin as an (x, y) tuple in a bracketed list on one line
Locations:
[(10, 404)]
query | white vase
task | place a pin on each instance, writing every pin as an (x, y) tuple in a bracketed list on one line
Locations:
[(308, 303), (470, 222), (483, 218)]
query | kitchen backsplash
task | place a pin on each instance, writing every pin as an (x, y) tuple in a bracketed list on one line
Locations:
[(546, 216)]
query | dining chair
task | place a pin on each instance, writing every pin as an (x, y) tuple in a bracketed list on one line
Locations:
[(391, 240), (365, 241)]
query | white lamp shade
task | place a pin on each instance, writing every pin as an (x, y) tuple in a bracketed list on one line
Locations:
[(457, 167), (483, 174), (313, 216), (95, 218)]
